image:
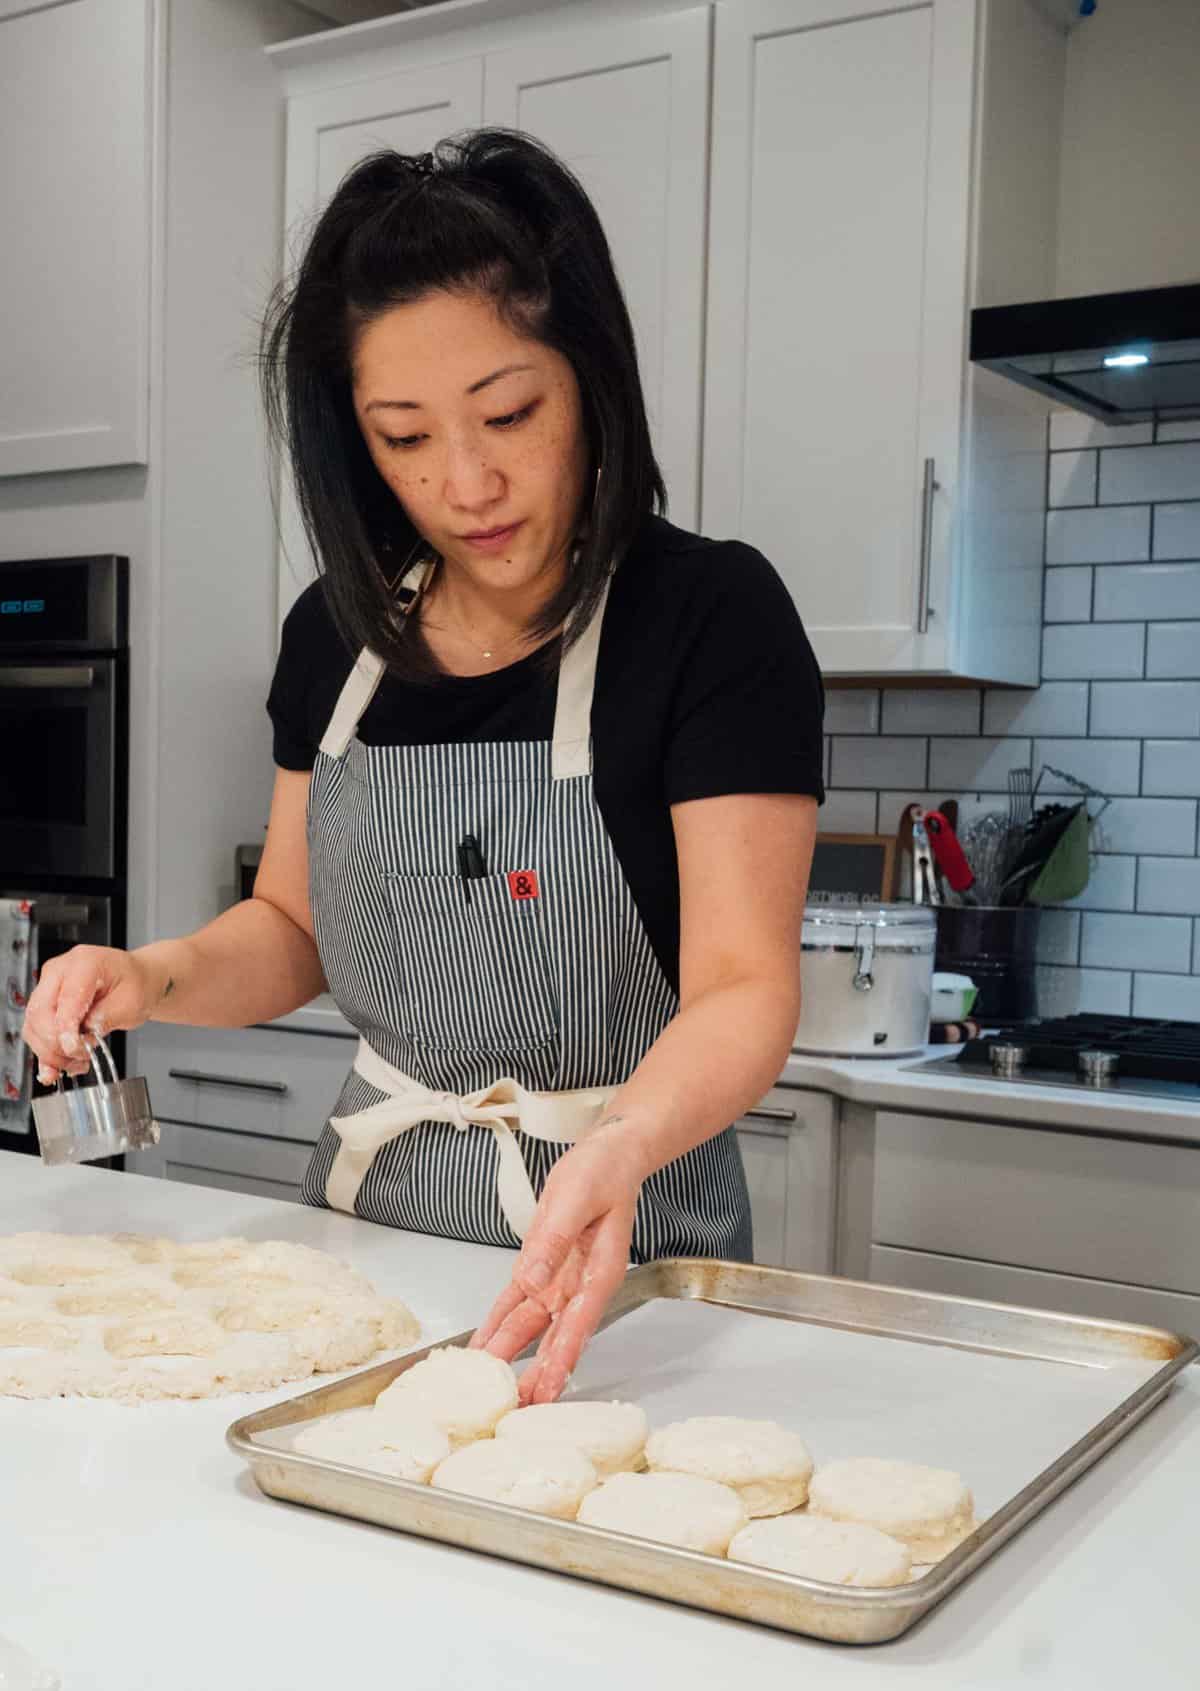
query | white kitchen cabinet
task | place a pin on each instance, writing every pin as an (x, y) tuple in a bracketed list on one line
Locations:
[(878, 167), (627, 109), (235, 1162), (1068, 1294), (788, 1149), (77, 104)]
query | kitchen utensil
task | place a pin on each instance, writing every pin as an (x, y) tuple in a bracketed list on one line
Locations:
[(1042, 834), (953, 997), (78, 1123), (1066, 871), (949, 809), (1020, 796), (904, 849), (948, 854), (1028, 1399), (867, 972), (996, 946), (924, 885), (985, 841)]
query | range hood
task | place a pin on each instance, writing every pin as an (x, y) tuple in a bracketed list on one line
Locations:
[(1124, 358)]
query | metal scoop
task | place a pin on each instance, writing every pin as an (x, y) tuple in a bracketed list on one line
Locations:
[(80, 1123)]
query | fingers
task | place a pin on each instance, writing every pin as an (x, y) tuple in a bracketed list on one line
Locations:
[(606, 1248), (89, 989), (504, 1305), (520, 1328)]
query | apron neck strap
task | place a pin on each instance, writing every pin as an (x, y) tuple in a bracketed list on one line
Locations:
[(571, 750)]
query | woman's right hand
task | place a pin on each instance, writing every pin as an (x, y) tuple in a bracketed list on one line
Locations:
[(93, 989)]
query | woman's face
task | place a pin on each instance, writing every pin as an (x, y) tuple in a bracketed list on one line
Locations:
[(474, 428)]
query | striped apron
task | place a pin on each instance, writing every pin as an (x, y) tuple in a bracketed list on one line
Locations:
[(498, 1014)]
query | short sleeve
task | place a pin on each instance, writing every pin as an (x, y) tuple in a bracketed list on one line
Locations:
[(305, 672), (747, 715)]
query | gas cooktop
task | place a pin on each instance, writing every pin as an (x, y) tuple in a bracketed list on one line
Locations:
[(1112, 1053)]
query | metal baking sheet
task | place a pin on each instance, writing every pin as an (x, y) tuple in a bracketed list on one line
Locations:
[(1018, 1401)]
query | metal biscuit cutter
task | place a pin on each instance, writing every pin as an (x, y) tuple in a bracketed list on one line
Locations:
[(80, 1123)]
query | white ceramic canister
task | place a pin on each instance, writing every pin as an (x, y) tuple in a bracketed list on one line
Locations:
[(867, 979)]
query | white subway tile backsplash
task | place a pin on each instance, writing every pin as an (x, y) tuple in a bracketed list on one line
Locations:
[(1072, 478), (1177, 431), (1111, 766), (1119, 536), (1167, 997), (1170, 885), (878, 761), (1068, 594), (1129, 474), (1169, 709), (1065, 992), (1161, 943), (847, 813), (1111, 884), (1177, 530), (1173, 649), (1071, 430), (1145, 590), (851, 710), (1171, 768), (931, 710), (1150, 827), (1087, 650), (979, 766), (1056, 707), (1058, 937)]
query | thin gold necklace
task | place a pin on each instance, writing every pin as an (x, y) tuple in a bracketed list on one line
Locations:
[(488, 651)]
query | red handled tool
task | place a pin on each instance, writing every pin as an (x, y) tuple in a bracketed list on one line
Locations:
[(947, 853)]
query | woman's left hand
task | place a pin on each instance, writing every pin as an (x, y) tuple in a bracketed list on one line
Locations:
[(572, 1261)]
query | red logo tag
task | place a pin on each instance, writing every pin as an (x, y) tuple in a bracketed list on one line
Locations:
[(522, 883)]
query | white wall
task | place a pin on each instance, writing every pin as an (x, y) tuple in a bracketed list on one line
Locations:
[(1131, 149)]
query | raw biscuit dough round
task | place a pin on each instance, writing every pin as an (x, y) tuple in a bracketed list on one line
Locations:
[(465, 1392), (679, 1509), (842, 1552), (273, 1309), (406, 1447), (29, 1328), (767, 1465), (146, 1247), (929, 1509), (611, 1435), (66, 1259), (332, 1344), (174, 1333), (551, 1481), (135, 1295)]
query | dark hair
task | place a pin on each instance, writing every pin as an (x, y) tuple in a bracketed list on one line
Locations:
[(490, 211)]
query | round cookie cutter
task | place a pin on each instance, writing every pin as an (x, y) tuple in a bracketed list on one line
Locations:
[(79, 1123)]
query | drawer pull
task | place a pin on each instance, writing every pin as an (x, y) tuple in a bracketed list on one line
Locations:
[(278, 1087), (764, 1112)]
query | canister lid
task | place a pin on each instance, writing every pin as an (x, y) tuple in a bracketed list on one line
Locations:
[(838, 913)]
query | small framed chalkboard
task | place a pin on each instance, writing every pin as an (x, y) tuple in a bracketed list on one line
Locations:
[(862, 865)]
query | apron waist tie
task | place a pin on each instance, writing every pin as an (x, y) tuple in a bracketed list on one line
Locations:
[(505, 1107)]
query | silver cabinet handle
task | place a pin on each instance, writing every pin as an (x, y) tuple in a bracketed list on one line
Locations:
[(764, 1112), (278, 1087), (929, 487), (78, 677)]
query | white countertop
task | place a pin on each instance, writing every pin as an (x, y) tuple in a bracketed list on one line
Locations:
[(137, 1555)]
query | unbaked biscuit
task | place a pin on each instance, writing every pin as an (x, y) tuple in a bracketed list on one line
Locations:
[(842, 1552), (30, 1329), (465, 1392), (611, 1435), (929, 1509), (174, 1333), (678, 1509), (767, 1465), (137, 1295), (551, 1481), (406, 1447)]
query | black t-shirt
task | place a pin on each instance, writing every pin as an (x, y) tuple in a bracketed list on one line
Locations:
[(705, 685)]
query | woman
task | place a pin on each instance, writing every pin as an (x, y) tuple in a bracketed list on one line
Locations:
[(548, 766)]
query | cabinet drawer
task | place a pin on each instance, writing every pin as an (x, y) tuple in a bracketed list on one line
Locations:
[(1067, 1294), (226, 1159), (764, 1156), (189, 1176), (264, 1081), (1105, 1209)]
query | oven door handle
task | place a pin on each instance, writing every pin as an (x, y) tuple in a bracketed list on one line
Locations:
[(76, 676)]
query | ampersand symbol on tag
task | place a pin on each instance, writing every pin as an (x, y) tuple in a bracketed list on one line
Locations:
[(523, 883)]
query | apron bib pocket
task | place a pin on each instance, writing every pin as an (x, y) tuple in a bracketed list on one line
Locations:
[(472, 972)]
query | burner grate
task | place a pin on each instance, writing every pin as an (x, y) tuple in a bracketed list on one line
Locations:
[(1147, 1050)]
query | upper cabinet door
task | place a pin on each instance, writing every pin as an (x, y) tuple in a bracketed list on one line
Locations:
[(76, 122), (626, 108), (328, 132), (836, 314)]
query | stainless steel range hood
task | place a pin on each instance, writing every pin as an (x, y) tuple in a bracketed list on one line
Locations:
[(1124, 358)]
